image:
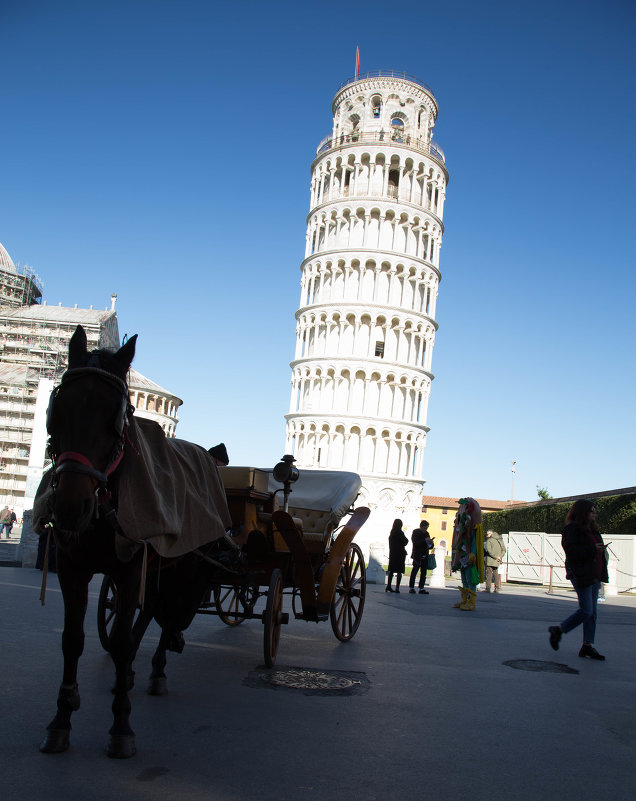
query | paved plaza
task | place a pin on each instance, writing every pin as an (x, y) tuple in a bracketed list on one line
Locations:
[(422, 704)]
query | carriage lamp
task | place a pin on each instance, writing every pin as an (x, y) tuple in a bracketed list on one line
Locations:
[(285, 470), (286, 474)]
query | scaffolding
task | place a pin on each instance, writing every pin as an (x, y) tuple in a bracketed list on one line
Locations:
[(20, 288), (33, 345)]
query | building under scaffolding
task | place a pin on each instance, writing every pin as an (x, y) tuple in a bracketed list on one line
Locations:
[(34, 342), (33, 355)]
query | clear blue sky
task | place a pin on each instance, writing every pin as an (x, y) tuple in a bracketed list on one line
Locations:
[(161, 150)]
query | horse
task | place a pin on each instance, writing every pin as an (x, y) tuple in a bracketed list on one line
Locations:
[(97, 449)]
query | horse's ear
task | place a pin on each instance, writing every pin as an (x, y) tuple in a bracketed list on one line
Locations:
[(77, 348), (126, 353)]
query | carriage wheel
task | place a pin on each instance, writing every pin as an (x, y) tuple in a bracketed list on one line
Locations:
[(228, 604), (348, 598), (272, 617), (106, 611), (106, 606)]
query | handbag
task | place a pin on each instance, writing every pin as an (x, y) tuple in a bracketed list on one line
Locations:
[(432, 562)]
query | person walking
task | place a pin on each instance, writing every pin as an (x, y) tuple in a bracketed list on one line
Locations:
[(422, 544), (4, 514), (586, 568), (397, 555), (7, 519), (494, 551)]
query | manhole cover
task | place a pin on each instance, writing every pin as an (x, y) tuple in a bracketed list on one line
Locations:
[(537, 666), (310, 682)]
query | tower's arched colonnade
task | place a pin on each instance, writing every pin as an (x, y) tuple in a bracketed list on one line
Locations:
[(365, 327)]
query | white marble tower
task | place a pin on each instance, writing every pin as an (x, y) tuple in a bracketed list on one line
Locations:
[(361, 375)]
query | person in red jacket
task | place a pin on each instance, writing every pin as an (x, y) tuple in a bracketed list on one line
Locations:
[(586, 568)]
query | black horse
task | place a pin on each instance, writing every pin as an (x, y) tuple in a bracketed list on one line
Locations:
[(90, 424)]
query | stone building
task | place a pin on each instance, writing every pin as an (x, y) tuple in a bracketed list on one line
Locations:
[(154, 402), (361, 374)]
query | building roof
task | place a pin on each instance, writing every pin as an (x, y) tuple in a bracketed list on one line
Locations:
[(58, 314), (452, 503), (139, 382), (6, 262)]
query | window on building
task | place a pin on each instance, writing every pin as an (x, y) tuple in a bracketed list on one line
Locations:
[(444, 511), (376, 106), (444, 524), (424, 508), (379, 349)]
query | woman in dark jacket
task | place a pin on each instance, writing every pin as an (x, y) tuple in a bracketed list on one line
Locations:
[(586, 567), (397, 555)]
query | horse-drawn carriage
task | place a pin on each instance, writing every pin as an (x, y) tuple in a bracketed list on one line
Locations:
[(154, 517), (300, 552)]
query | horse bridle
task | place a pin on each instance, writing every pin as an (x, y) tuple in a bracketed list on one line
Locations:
[(75, 462)]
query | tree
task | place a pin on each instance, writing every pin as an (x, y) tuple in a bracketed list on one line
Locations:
[(543, 493)]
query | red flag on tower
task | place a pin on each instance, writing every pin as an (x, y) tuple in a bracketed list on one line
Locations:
[(357, 62)]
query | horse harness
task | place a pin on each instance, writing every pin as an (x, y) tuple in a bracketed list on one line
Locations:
[(76, 462)]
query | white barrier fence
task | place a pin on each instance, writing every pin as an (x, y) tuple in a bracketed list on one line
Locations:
[(537, 558)]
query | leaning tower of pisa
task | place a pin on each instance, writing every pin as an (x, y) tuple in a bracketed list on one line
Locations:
[(361, 374)]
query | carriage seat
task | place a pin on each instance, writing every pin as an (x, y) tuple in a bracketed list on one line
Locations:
[(316, 525), (312, 525)]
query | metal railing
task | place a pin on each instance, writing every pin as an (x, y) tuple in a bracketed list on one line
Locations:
[(388, 74), (431, 149)]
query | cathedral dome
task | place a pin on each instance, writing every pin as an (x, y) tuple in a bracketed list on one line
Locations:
[(5, 260)]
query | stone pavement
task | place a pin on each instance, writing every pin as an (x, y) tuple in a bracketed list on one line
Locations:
[(423, 706)]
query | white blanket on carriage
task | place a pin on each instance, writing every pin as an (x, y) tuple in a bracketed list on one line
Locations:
[(322, 490), (170, 494)]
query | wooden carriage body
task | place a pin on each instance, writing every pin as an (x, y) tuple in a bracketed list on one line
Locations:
[(270, 553)]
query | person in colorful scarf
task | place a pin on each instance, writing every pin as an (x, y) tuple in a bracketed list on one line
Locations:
[(468, 551)]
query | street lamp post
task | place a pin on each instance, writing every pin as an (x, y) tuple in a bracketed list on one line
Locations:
[(512, 494)]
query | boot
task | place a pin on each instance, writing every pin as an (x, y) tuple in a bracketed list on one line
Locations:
[(463, 591), (397, 583), (469, 603), (389, 581)]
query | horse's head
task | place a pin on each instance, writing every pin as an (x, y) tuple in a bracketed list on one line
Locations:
[(87, 418)]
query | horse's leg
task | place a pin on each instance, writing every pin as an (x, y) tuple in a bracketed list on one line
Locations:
[(122, 650), (74, 588), (144, 618), (157, 682)]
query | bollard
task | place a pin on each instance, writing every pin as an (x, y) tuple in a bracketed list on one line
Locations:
[(437, 579), (375, 571), (611, 587)]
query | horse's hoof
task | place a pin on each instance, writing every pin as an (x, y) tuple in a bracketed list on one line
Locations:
[(56, 741), (121, 746), (158, 686)]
